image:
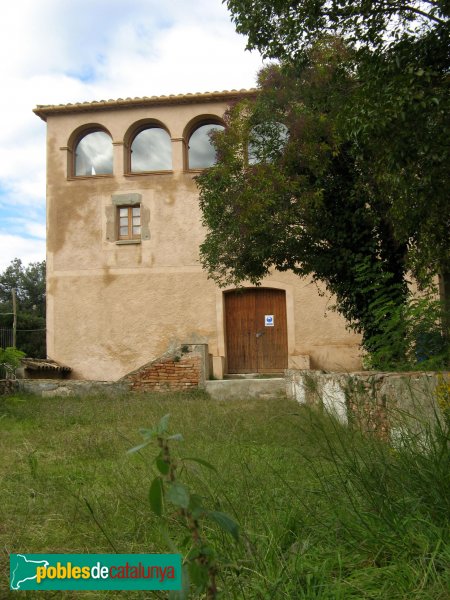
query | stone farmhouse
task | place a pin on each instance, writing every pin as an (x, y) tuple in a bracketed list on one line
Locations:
[(124, 281)]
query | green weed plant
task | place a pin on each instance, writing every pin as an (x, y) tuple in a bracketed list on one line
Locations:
[(168, 491)]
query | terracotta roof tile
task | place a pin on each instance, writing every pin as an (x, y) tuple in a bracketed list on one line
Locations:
[(42, 364), (43, 111)]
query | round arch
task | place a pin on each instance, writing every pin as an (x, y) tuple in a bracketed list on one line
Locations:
[(199, 152), (90, 151), (147, 147)]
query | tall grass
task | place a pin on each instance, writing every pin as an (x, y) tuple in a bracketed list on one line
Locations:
[(324, 511), (389, 508)]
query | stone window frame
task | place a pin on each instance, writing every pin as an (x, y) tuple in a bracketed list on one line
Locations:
[(112, 218)]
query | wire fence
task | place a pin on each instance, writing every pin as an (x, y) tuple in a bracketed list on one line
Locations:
[(6, 337), (30, 341)]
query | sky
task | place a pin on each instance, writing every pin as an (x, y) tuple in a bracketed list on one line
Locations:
[(64, 51)]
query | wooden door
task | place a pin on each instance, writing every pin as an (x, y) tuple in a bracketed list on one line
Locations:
[(256, 330)]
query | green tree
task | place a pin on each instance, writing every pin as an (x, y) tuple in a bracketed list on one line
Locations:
[(303, 202), (399, 117), (405, 90), (282, 29), (29, 283)]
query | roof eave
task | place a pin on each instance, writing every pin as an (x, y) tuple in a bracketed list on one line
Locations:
[(44, 111)]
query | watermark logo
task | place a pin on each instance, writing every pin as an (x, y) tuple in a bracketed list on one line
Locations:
[(95, 572)]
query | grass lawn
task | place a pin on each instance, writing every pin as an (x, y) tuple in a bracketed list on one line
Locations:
[(323, 512)]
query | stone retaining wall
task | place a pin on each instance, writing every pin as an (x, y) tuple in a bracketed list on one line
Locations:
[(381, 403), (48, 388), (7, 386)]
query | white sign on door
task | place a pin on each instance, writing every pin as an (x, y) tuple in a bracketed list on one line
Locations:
[(268, 320)]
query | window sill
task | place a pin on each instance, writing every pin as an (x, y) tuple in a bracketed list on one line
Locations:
[(100, 176), (147, 173), (127, 242)]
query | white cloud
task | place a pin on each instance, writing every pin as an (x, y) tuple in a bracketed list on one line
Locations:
[(190, 59), (36, 230), (14, 246)]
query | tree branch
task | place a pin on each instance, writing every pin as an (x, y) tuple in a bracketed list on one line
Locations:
[(393, 7)]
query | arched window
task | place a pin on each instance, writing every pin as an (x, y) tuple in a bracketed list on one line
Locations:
[(202, 153), (94, 154), (151, 150), (266, 142)]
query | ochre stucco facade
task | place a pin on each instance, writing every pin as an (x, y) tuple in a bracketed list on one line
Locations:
[(113, 306)]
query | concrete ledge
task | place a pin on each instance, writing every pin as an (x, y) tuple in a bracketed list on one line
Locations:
[(47, 388), (233, 389), (239, 389)]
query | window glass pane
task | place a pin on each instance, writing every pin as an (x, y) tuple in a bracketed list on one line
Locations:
[(151, 150), (266, 142), (201, 151), (94, 154), (129, 222)]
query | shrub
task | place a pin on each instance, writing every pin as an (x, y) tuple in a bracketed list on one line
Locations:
[(9, 361)]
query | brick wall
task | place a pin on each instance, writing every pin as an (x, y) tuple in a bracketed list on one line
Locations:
[(179, 370), (184, 368)]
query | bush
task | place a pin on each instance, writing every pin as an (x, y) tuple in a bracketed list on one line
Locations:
[(411, 338), (9, 361)]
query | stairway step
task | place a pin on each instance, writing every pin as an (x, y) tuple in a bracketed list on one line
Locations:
[(230, 389)]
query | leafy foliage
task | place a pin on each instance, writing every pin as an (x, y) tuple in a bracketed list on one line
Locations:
[(398, 117), (29, 283), (415, 327), (359, 194), (282, 29), (310, 205), (9, 361)]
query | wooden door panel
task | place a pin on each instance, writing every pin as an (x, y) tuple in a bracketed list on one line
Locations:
[(240, 324), (272, 344), (251, 346)]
